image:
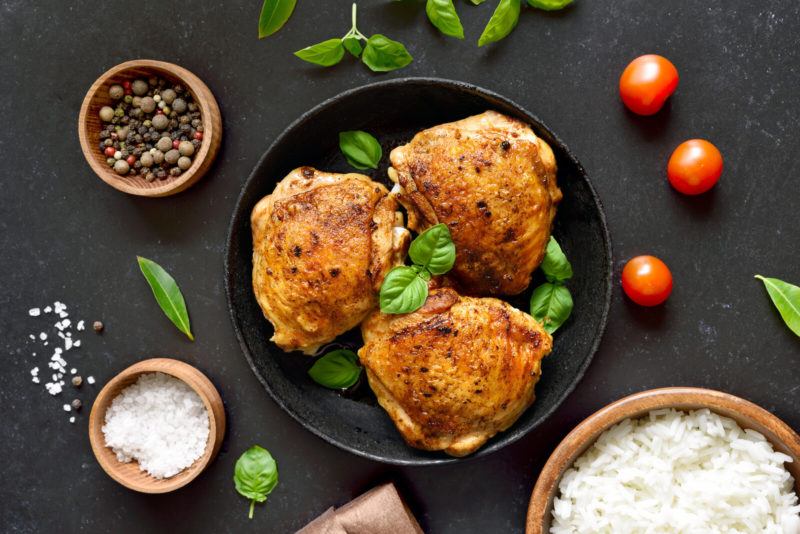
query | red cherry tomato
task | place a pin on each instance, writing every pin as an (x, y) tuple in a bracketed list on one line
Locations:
[(647, 280), (647, 82), (694, 167)]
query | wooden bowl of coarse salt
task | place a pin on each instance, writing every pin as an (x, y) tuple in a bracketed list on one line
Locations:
[(164, 417), (626, 444), (90, 126)]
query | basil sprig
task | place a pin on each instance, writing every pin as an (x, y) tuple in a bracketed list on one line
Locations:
[(405, 288), (167, 294), (549, 5), (274, 14), (361, 149), (551, 302), (786, 298), (378, 52), (255, 475), (503, 21), (338, 369), (443, 15)]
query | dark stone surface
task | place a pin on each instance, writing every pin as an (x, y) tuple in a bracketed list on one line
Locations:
[(66, 236)]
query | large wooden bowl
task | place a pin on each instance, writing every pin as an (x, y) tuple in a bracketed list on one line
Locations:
[(129, 474), (90, 125), (745, 413)]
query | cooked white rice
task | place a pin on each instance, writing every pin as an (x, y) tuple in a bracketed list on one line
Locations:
[(678, 472)]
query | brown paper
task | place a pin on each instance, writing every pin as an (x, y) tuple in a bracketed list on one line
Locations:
[(378, 511)]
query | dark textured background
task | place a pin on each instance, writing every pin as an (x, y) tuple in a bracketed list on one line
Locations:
[(67, 236)]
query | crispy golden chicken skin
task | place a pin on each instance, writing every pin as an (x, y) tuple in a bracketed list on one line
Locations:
[(493, 182), (455, 372), (322, 244)]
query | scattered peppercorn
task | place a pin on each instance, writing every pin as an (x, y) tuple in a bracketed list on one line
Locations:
[(77, 381), (98, 326), (76, 404)]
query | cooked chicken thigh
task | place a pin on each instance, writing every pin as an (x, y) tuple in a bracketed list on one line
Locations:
[(322, 244), (493, 182), (455, 372)]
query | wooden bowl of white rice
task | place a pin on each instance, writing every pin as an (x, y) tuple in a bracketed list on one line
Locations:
[(672, 460), (156, 425)]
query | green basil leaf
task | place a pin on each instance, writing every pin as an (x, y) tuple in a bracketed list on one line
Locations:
[(326, 53), (549, 5), (785, 297), (336, 370), (361, 150), (443, 15), (353, 45), (504, 19), (255, 475), (477, 2), (403, 290), (382, 54), (167, 294), (274, 14), (434, 250), (551, 305), (555, 266)]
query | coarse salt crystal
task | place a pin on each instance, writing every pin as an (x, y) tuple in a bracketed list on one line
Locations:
[(48, 309), (80, 325), (34, 312), (158, 421), (73, 371), (67, 408), (35, 379), (72, 419), (42, 336), (76, 343), (34, 371), (90, 379), (31, 336)]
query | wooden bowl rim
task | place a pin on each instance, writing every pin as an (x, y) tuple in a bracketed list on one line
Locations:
[(636, 405), (212, 128), (183, 372)]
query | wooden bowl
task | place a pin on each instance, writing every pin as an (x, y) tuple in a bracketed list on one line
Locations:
[(129, 474), (745, 413), (90, 125)]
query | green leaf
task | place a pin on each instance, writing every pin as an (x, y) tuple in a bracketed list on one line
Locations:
[(403, 290), (326, 53), (274, 14), (503, 20), (167, 294), (477, 2), (551, 305), (353, 45), (786, 298), (361, 149), (255, 475), (382, 54), (336, 370), (555, 266), (443, 15), (434, 250), (549, 5)]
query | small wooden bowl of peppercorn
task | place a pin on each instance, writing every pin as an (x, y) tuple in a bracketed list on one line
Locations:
[(129, 474), (130, 109)]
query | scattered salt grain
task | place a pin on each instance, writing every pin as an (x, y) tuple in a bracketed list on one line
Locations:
[(67, 408), (90, 379), (42, 336), (48, 309), (73, 371), (72, 419), (81, 325), (158, 421), (34, 312)]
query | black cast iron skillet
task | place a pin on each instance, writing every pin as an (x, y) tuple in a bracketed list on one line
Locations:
[(393, 111)]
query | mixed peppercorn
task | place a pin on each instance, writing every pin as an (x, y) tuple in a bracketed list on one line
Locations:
[(153, 131)]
